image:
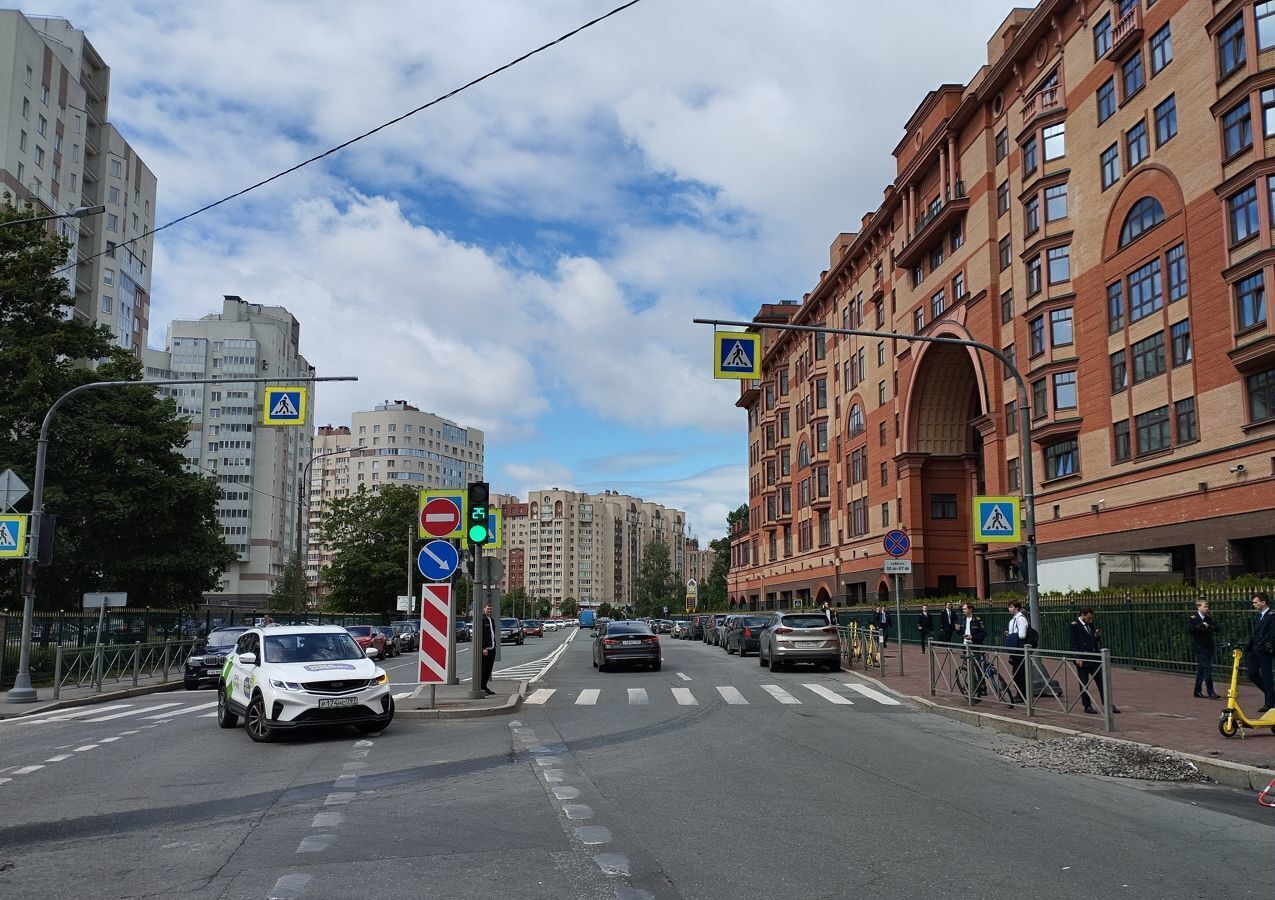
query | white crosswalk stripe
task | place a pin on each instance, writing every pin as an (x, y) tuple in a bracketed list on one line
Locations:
[(732, 696), (62, 715), (685, 697), (181, 712), (132, 712), (779, 694), (829, 695), (540, 695), (873, 694), (637, 697), (588, 697)]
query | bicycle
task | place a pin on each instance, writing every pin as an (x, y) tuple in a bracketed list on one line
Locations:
[(986, 673)]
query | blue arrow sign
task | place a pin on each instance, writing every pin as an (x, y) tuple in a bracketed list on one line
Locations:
[(438, 560)]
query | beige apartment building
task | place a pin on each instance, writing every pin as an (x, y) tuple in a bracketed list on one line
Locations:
[(59, 152)]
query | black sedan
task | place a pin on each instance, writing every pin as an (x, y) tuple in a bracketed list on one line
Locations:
[(743, 634), (204, 666), (625, 642), (511, 630)]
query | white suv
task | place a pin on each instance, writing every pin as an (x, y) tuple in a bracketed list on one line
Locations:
[(289, 677)]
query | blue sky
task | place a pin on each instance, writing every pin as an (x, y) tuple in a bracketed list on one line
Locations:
[(556, 227)]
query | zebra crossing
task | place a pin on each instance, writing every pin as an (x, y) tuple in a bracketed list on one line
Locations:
[(143, 711), (790, 695)]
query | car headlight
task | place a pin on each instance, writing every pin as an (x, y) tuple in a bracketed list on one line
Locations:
[(284, 685), (383, 678)]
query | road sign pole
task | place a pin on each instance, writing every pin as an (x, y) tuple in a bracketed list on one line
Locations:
[(898, 618), (476, 670)]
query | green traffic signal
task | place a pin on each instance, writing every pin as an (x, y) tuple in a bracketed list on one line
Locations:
[(478, 532)]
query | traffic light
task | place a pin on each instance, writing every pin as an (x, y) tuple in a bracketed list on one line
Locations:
[(476, 513)]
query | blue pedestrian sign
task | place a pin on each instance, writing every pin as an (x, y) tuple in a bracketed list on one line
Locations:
[(996, 520), (897, 543), (438, 560), (284, 406), (13, 535), (736, 354)]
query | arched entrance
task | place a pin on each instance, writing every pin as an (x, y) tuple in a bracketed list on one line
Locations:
[(823, 597), (883, 592)]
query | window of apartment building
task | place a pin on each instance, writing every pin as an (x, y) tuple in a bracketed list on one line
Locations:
[(1002, 144), (821, 345), (1241, 209), (1055, 141), (856, 420), (770, 437), (1106, 100), (1011, 354), (1059, 264), (882, 433), (936, 257), (918, 319), (1264, 13), (784, 432), (106, 305), (1121, 449), (1102, 37), (1177, 272), (1005, 252), (1261, 396), (1166, 121), (1237, 129), (1031, 215), (1148, 357), (821, 481), (859, 517), (41, 126), (26, 108), (885, 515), (942, 506), (825, 529), (1119, 372), (881, 392), (1002, 195), (1033, 276), (783, 382), (1145, 291), (39, 156), (1055, 202), (885, 474), (918, 274), (1268, 112), (1064, 390), (1109, 161), (821, 437), (1145, 215), (117, 168), (821, 393), (1152, 430), (108, 276), (1136, 144), (1040, 399), (958, 286), (785, 462), (1230, 46), (937, 304), (1007, 307), (1250, 302), (1060, 327), (1184, 420), (880, 305), (1011, 417), (1062, 459), (770, 395), (1132, 76), (1180, 338), (1014, 482), (1036, 336), (22, 140), (1161, 48), (880, 353), (1029, 155), (956, 237), (112, 222)]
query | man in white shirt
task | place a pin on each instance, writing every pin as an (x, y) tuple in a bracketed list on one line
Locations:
[(1015, 640)]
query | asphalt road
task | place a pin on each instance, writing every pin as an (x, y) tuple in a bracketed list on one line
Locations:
[(710, 779)]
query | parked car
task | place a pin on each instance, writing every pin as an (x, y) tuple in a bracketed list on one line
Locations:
[(666, 626), (464, 629), (392, 645), (408, 638), (204, 666), (712, 628), (799, 637), (625, 642), (681, 630), (743, 634), (695, 632), (512, 630), (368, 638), (533, 628), (287, 677)]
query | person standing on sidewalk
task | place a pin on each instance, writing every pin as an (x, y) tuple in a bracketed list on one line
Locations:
[(949, 622), (1085, 638), (1201, 629), (1261, 650), (488, 644), (1015, 640), (925, 625), (881, 619)]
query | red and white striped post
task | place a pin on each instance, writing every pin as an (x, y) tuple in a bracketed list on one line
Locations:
[(436, 624)]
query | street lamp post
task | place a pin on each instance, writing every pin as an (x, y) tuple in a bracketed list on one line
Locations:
[(80, 212), (22, 691), (303, 485)]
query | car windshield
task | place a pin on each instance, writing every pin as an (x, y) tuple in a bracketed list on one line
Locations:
[(627, 628), (508, 623), (531, 623), (360, 630), (754, 621), (225, 638), (326, 647), (805, 621)]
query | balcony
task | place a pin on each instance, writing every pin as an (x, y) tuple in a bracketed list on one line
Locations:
[(931, 224), (1044, 101), (1128, 31)]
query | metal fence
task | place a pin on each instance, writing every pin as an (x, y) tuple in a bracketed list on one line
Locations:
[(104, 665)]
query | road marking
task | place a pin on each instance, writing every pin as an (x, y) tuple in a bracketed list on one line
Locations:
[(58, 758), (829, 695), (5, 780), (872, 694), (577, 811), (182, 712), (732, 696), (62, 715), (316, 842), (27, 770), (346, 781), (685, 697), (588, 697), (404, 695), (85, 748), (122, 733), (683, 676), (327, 820), (134, 712), (338, 798), (779, 693), (540, 695), (289, 887), (109, 740), (212, 715), (637, 697)]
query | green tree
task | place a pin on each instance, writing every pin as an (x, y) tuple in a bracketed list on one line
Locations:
[(543, 607), (606, 609), (570, 608), (365, 531), (285, 591), (712, 593), (129, 517), (656, 585), (514, 603)]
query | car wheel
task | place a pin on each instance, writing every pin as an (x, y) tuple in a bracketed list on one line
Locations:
[(255, 721), (373, 727), (775, 665), (225, 718), (191, 685), (834, 666), (655, 666), (602, 667), (761, 659)]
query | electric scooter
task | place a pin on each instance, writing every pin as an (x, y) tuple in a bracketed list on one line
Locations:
[(1233, 718)]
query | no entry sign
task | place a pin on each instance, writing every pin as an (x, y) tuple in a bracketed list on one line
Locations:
[(440, 517), (436, 623)]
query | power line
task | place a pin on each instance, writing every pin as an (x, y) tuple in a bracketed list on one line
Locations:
[(366, 134)]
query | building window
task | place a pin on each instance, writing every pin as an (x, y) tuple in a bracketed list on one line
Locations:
[(1060, 330), (1011, 354), (1055, 141), (821, 345), (1064, 390), (1145, 215), (1062, 459), (936, 257), (1015, 477), (942, 506), (918, 319), (885, 474), (112, 222), (1265, 14), (1002, 195), (1166, 121), (1002, 144), (1250, 302), (1106, 100), (1102, 37), (1268, 112), (1145, 291), (1177, 272), (1184, 418), (783, 382), (1241, 211), (1056, 203), (1040, 399), (117, 168), (881, 392), (1153, 431), (958, 286), (1148, 357), (937, 304), (1036, 336), (1011, 417), (41, 126), (1029, 156), (1261, 396), (1033, 276), (856, 420), (1132, 76), (956, 237), (918, 274), (1110, 162), (22, 143), (1136, 144), (1005, 250), (1120, 438), (885, 515), (1237, 129), (1007, 307), (821, 437), (821, 393), (1059, 264), (1119, 372), (1180, 338), (1230, 46), (39, 156), (1161, 46), (1031, 216)]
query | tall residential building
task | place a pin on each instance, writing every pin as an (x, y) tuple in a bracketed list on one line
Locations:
[(392, 443), (258, 467), (587, 547), (60, 151), (1097, 204)]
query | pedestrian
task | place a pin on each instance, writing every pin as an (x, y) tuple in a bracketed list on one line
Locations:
[(489, 647), (882, 621), (925, 625), (1015, 640), (1261, 650), (267, 621), (950, 622), (830, 614), (973, 632), (1201, 629), (1086, 638)]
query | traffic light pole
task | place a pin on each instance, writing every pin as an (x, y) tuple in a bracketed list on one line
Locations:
[(476, 674), (1024, 428)]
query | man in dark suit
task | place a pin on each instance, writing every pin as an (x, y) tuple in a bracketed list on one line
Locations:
[(1085, 638), (489, 637), (925, 625), (881, 619), (830, 614), (1201, 629), (949, 622), (1261, 650)]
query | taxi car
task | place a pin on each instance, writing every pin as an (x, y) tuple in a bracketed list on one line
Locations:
[(285, 678)]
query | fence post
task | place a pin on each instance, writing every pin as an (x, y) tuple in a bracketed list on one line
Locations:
[(137, 663), (971, 672), (97, 663), (1029, 680), (1109, 722), (167, 641), (1131, 633), (57, 671), (929, 657)]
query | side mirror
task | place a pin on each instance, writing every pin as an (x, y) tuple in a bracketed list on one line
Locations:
[(248, 659), (371, 653)]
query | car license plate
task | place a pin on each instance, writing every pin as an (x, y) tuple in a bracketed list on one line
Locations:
[(331, 702), (631, 643), (214, 671), (807, 643)]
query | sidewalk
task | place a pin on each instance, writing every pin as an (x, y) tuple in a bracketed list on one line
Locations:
[(1156, 708)]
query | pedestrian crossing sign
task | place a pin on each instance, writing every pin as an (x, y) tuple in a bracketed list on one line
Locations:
[(13, 535), (284, 406), (996, 520), (736, 354)]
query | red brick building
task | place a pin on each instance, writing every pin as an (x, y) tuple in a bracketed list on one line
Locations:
[(1099, 202)]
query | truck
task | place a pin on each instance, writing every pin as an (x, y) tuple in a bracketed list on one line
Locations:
[(586, 618), (1093, 571)]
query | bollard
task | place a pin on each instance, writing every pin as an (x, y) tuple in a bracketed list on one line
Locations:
[(1029, 680), (137, 663), (929, 656), (1109, 721), (970, 675), (97, 666), (165, 674), (57, 672)]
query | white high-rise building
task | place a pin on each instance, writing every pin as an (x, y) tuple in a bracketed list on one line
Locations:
[(58, 151), (258, 467)]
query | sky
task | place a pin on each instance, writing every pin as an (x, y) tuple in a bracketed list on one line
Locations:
[(525, 257)]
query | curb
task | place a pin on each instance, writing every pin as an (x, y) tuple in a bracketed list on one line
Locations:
[(1220, 771), (462, 712), (104, 697)]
